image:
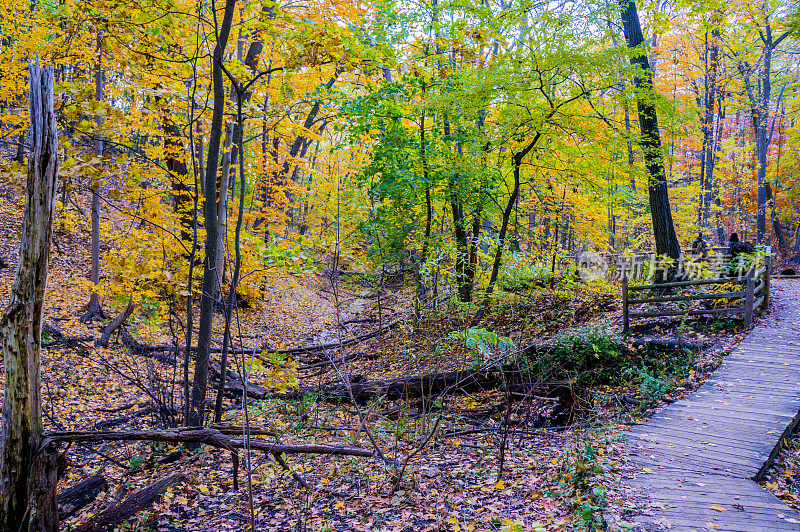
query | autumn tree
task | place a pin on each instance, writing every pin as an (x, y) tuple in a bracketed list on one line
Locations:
[(206, 322), (758, 90), (650, 141)]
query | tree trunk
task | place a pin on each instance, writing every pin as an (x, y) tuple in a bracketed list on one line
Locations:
[(612, 221), (663, 229), (231, 149), (28, 478), (461, 259), (760, 108), (93, 309), (73, 499), (226, 339), (796, 253), (139, 500), (512, 201), (421, 287), (200, 382), (222, 209), (20, 155), (175, 156), (709, 102), (777, 228), (760, 120)]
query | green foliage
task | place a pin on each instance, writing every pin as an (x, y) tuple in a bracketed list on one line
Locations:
[(486, 344), (582, 476), (743, 263), (596, 357), (518, 274)]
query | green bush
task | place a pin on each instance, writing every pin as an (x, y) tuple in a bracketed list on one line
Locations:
[(596, 357), (592, 358), (486, 344)]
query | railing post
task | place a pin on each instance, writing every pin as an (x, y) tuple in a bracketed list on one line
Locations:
[(767, 275), (748, 302), (625, 322)]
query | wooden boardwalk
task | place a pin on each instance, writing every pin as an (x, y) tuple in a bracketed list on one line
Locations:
[(695, 461)]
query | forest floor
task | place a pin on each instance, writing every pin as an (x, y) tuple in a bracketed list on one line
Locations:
[(559, 463), (783, 478)]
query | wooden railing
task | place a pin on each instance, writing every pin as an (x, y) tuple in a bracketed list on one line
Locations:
[(755, 294)]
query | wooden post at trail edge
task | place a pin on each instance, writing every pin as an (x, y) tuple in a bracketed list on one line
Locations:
[(748, 302), (625, 321)]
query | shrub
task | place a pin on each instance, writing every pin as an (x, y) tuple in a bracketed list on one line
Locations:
[(596, 357)]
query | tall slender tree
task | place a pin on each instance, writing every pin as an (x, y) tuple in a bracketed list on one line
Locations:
[(650, 141), (206, 323), (93, 310), (760, 97)]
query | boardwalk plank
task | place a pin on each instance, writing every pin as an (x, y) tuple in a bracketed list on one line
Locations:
[(742, 411)]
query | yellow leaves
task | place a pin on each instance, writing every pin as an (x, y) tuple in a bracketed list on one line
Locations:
[(15, 174), (338, 505), (718, 508), (500, 485)]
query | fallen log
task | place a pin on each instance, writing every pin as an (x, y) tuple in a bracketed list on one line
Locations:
[(59, 338), (115, 324), (359, 320), (206, 436), (343, 343), (139, 500), (71, 500), (147, 408), (234, 385), (114, 410), (318, 348), (324, 363), (232, 429), (428, 385)]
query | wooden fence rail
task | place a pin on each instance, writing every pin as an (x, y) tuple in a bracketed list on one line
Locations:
[(755, 294)]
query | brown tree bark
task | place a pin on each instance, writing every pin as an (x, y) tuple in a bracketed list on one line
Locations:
[(93, 310), (200, 382), (175, 158), (759, 104), (223, 184), (140, 500), (73, 499), (512, 200), (115, 324), (27, 477), (663, 229)]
